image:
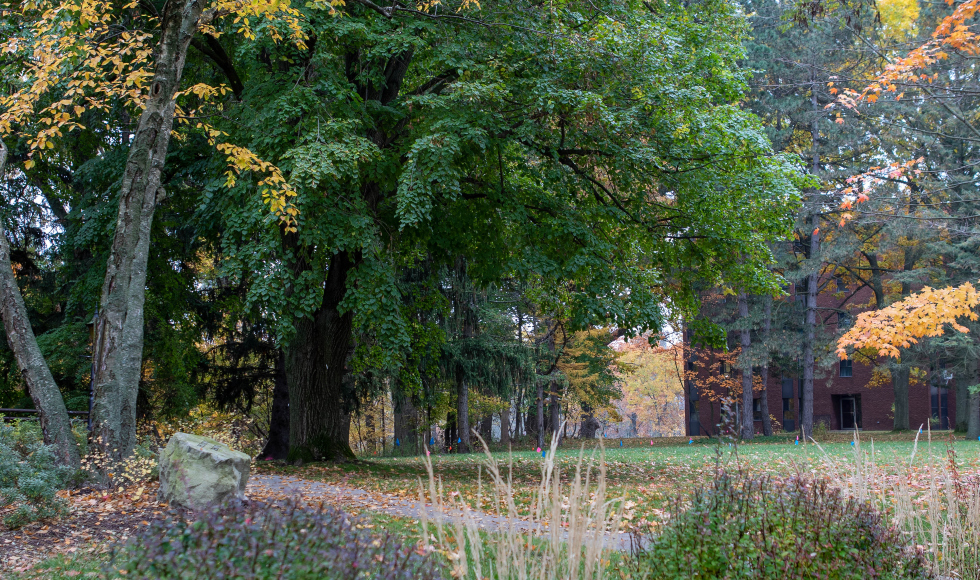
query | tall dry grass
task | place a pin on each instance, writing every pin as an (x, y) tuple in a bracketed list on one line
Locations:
[(564, 535), (930, 501)]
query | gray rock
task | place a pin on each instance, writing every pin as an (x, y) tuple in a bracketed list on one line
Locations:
[(198, 472)]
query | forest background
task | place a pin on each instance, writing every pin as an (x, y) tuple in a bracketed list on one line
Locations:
[(442, 216)]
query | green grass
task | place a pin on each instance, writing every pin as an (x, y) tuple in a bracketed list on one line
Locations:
[(649, 476), (62, 567)]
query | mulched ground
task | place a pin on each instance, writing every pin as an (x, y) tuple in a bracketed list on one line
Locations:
[(98, 519)]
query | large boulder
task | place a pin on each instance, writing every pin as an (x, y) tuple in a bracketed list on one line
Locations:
[(198, 472)]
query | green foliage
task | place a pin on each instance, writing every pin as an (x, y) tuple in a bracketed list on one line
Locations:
[(29, 478), (774, 529)]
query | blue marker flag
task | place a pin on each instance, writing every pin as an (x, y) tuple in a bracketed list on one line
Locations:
[(458, 440), (432, 441), (542, 453)]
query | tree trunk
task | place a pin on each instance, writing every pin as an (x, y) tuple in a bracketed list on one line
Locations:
[(901, 372), (806, 425), (450, 434), (119, 334), (973, 407), (900, 386), (406, 420), (462, 416), (540, 415), (318, 375), (55, 426), (963, 381), (748, 421), (764, 374), (589, 423), (277, 447), (505, 426), (554, 410), (486, 428)]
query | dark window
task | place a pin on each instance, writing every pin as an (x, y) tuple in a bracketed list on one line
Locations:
[(801, 290), (756, 409), (846, 369), (726, 369), (848, 413), (844, 320), (789, 416), (841, 285)]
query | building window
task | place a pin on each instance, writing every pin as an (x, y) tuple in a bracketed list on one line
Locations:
[(841, 285), (802, 287), (848, 408), (756, 409), (726, 369), (789, 416), (846, 368), (844, 320)]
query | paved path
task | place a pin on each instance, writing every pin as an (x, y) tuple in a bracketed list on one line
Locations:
[(277, 485)]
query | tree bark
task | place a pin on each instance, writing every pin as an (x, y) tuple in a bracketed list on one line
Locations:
[(589, 423), (119, 333), (55, 426), (554, 410), (900, 386), (748, 421), (318, 376), (806, 425), (764, 374), (973, 404), (451, 434), (505, 426), (540, 414), (902, 371), (277, 447), (462, 415), (486, 428), (406, 419), (963, 381)]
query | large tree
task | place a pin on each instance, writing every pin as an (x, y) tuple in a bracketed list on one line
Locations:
[(593, 145)]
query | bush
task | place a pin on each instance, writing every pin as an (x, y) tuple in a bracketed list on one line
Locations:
[(776, 529), (29, 476), (260, 542)]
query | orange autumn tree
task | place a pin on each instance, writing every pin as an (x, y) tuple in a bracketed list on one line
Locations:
[(928, 313)]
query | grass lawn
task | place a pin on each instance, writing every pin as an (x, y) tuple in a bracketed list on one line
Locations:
[(648, 477)]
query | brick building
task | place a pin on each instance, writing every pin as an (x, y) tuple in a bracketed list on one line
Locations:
[(842, 398)]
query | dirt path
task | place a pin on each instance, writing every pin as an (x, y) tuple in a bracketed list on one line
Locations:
[(272, 486)]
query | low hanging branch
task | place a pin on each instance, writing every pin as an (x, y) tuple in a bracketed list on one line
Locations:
[(902, 324)]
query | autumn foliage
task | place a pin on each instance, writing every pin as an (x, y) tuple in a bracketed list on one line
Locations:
[(902, 324)]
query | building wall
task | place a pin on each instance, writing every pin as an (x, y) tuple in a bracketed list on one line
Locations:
[(875, 402)]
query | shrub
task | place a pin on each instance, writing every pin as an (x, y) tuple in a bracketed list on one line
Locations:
[(259, 542), (29, 476), (775, 529)]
